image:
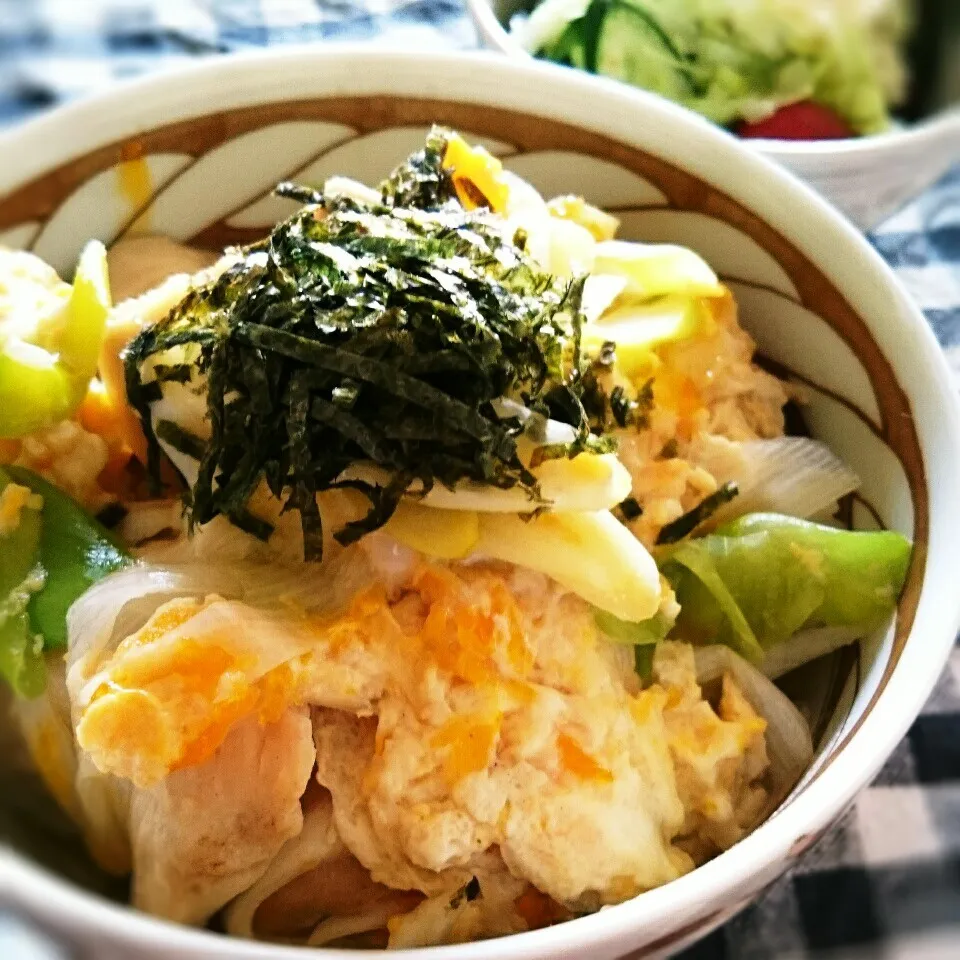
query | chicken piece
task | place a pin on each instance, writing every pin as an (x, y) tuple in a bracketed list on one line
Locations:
[(157, 683), (170, 692), (206, 833), (312, 877), (345, 747)]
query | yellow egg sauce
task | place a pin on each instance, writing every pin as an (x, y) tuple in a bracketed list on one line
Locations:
[(135, 184)]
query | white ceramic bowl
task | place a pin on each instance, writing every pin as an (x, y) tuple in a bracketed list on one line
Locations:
[(868, 178), (195, 153)]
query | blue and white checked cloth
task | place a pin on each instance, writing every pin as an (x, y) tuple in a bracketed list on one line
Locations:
[(885, 885)]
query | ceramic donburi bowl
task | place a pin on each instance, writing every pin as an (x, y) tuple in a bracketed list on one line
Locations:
[(194, 155)]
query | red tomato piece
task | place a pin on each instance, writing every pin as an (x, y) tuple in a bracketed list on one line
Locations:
[(799, 121)]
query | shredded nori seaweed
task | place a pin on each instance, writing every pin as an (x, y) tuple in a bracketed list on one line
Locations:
[(180, 439), (369, 333), (685, 525), (469, 892), (630, 509)]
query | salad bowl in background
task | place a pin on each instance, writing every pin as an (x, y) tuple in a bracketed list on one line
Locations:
[(870, 177), (195, 154)]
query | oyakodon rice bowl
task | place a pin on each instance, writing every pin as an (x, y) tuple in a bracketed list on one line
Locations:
[(443, 534)]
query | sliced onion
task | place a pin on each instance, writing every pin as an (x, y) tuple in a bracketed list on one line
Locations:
[(591, 554), (571, 248), (150, 518), (805, 646), (586, 483), (336, 187), (795, 476), (120, 604), (316, 843), (546, 23), (789, 744), (536, 427), (127, 596), (599, 293), (336, 928)]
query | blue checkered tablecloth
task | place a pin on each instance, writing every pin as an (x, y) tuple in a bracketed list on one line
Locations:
[(886, 883)]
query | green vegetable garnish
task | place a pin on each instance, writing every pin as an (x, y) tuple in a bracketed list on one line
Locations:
[(370, 334), (49, 557), (757, 581), (637, 634), (21, 659), (643, 636), (731, 60), (75, 552), (643, 655), (43, 382)]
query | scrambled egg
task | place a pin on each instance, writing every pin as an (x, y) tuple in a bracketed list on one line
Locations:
[(469, 720), (708, 397)]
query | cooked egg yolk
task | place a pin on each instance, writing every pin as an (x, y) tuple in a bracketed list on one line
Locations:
[(476, 638), (577, 761), (476, 176), (471, 740), (163, 705)]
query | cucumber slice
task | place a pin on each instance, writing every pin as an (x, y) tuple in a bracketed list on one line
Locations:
[(568, 49), (633, 48), (577, 45)]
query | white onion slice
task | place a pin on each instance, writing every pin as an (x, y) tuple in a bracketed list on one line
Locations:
[(586, 483), (150, 518), (789, 744), (599, 293), (591, 554), (795, 476), (336, 187), (805, 646), (546, 23), (536, 427), (120, 604), (316, 843), (336, 928), (108, 607)]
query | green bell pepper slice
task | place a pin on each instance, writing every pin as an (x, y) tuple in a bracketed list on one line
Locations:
[(75, 551), (21, 659)]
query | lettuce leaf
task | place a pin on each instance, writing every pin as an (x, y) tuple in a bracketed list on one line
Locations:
[(757, 581)]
